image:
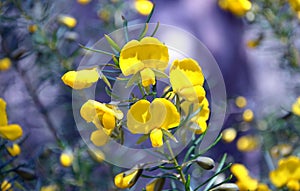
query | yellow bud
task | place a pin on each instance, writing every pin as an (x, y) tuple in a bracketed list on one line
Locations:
[(143, 7), (247, 143), (32, 28), (156, 137), (14, 149), (52, 187), (241, 102), (5, 64), (127, 179), (66, 159), (155, 185), (248, 115), (67, 21), (83, 2), (6, 186), (228, 135)]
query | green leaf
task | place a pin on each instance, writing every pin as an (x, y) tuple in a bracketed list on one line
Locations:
[(188, 182), (160, 74), (134, 79), (170, 135), (144, 31), (95, 50), (112, 43), (142, 139), (103, 77), (155, 30)]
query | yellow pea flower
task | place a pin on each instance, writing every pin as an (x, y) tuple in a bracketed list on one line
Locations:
[(296, 107), (248, 115), (127, 179), (287, 173), (14, 149), (228, 135), (144, 56), (11, 132), (236, 7), (80, 79), (83, 2), (5, 64), (156, 184), (241, 102), (50, 188), (67, 21), (201, 118), (66, 159), (293, 185), (187, 79), (103, 116), (247, 143), (6, 186), (32, 28), (143, 7), (144, 117)]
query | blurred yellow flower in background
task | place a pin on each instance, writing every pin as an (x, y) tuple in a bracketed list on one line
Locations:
[(187, 79), (296, 107), (50, 188), (97, 155), (247, 143), (32, 28), (5, 64), (144, 56), (143, 7), (11, 132), (241, 102), (236, 7), (295, 5), (127, 179), (248, 115), (80, 79), (67, 21), (229, 134), (103, 116), (6, 186), (66, 158), (14, 149), (144, 117), (287, 173), (83, 2)]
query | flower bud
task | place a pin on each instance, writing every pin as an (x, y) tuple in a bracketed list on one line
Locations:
[(205, 162), (13, 149), (66, 159), (226, 187), (127, 179), (156, 184)]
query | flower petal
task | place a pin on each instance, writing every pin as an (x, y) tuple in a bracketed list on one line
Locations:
[(148, 77), (80, 79), (99, 137), (172, 117), (11, 132), (108, 121), (156, 137), (3, 115)]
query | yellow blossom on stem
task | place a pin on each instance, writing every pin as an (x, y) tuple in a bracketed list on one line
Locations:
[(127, 179), (103, 116), (236, 7), (187, 79), (143, 7), (5, 64), (156, 184), (241, 102), (287, 173), (80, 79), (50, 188), (228, 135), (296, 107), (66, 159), (6, 186), (248, 115), (144, 57), (11, 132), (67, 21), (144, 117), (14, 149)]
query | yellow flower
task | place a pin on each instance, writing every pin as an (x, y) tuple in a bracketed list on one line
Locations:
[(244, 181), (50, 188), (104, 118), (281, 150), (293, 185), (67, 21), (247, 143), (66, 159), (14, 150), (144, 56), (295, 5), (228, 135), (104, 15), (241, 102), (288, 172), (236, 7), (145, 117), (248, 115), (5, 64), (262, 187), (156, 184), (187, 79), (201, 118), (97, 155), (32, 28), (127, 179), (143, 7), (296, 107), (83, 2), (11, 132), (81, 79), (6, 186)]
